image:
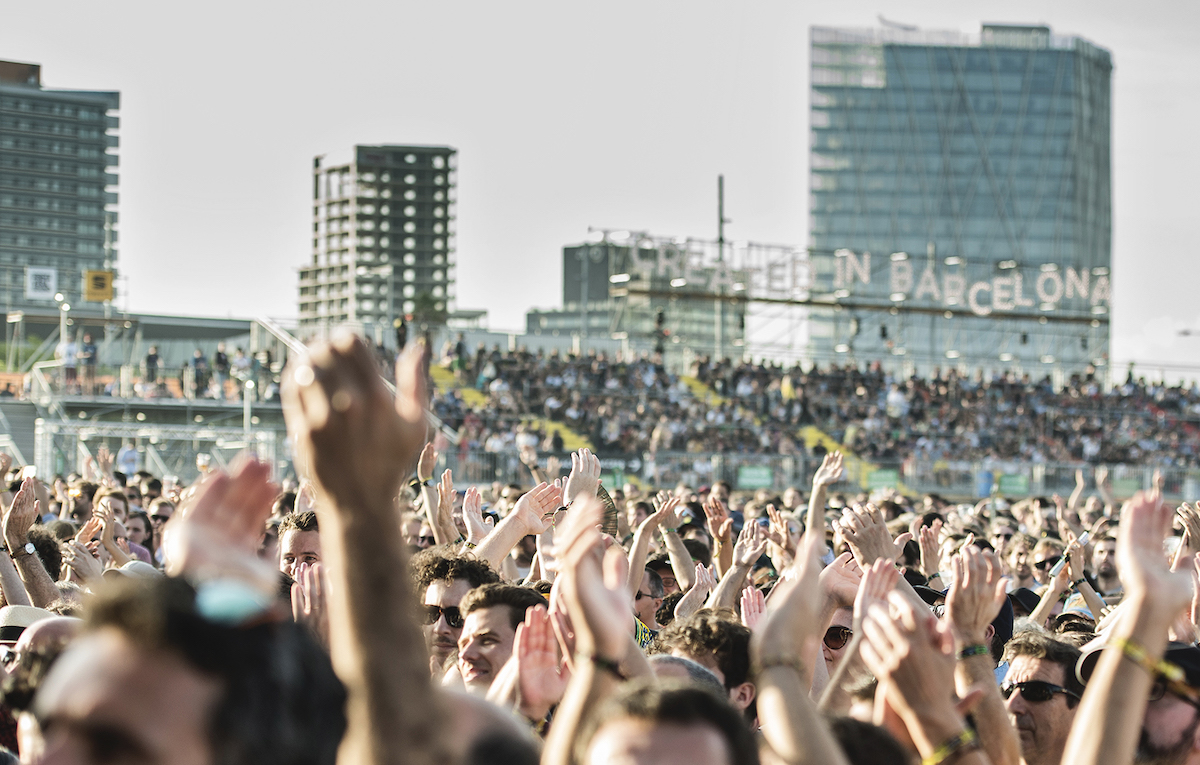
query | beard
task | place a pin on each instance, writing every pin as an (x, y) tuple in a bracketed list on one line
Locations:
[(1175, 754)]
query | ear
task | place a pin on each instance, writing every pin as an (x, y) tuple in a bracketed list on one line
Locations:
[(989, 632), (742, 695)]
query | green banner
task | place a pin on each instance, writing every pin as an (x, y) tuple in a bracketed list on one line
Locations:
[(883, 479), (755, 477), (1014, 484)]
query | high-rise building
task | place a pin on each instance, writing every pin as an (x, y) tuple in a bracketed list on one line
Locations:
[(960, 208), (58, 189), (382, 239)]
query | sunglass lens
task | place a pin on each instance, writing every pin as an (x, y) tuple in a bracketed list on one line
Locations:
[(453, 617)]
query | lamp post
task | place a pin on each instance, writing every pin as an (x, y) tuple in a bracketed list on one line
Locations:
[(63, 309), (247, 395)]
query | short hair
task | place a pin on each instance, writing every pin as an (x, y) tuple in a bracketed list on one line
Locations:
[(699, 551), (304, 521), (697, 672), (151, 485), (86, 488), (112, 494), (437, 564), (1038, 645), (656, 583), (280, 701), (158, 502), (45, 544), (284, 503), (1048, 545), (708, 633), (515, 597), (673, 704)]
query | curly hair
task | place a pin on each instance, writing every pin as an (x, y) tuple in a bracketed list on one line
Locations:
[(710, 633), (303, 521), (439, 563)]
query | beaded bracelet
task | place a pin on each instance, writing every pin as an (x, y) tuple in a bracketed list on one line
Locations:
[(979, 649), (1138, 655), (1078, 582), (959, 744)]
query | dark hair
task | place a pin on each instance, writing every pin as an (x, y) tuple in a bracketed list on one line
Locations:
[(673, 704), (697, 673), (141, 515), (866, 744), (708, 633), (491, 595), (666, 612), (699, 551), (1037, 645), (436, 564), (284, 504), (305, 521), (656, 583), (46, 546), (86, 488), (151, 485), (280, 702)]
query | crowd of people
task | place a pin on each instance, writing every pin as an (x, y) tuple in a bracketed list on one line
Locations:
[(375, 612), (634, 406)]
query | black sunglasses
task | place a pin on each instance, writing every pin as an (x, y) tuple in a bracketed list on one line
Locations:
[(160, 518), (1179, 690), (453, 615), (641, 595), (1002, 536), (1042, 565), (1036, 691), (836, 637)]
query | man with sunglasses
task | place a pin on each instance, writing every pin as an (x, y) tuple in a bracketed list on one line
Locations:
[(1041, 694), (837, 637), (1046, 553), (442, 581)]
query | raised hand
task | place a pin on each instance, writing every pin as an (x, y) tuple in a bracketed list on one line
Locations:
[(445, 501), (593, 584), (88, 531), (878, 580), (427, 463), (865, 532), (529, 457), (931, 549), (830, 471), (553, 468), (777, 532), (217, 533), (21, 515), (537, 507), (541, 675), (308, 601), (668, 510), (754, 606), (693, 600), (80, 563), (5, 464), (977, 592), (750, 545), (840, 580), (478, 527), (104, 461), (720, 525), (1145, 573), (356, 441), (585, 476)]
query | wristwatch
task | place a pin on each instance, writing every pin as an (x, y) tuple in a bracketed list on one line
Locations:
[(29, 549)]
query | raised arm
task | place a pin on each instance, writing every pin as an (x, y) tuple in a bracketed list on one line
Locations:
[(828, 474), (750, 545), (720, 528), (791, 725), (22, 514), (359, 444), (1108, 722), (533, 514)]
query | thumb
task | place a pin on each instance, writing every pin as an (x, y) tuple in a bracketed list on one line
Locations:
[(903, 539)]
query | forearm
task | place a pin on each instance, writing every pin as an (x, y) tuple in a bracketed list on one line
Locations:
[(433, 515), (588, 687), (790, 722), (1045, 606), (996, 733), (723, 555), (816, 508), (637, 557), (12, 590), (392, 713), (681, 559), (501, 541), (1091, 598), (1073, 500), (38, 584), (725, 594), (1111, 712), (119, 558)]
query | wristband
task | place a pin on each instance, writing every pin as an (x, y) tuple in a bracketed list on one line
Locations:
[(1138, 655), (781, 660), (960, 744), (1078, 582), (609, 666), (670, 531), (978, 649), (470, 545)]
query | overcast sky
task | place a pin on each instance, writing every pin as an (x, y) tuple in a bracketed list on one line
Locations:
[(566, 115)]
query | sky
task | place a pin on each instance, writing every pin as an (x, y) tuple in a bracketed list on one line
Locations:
[(565, 116)]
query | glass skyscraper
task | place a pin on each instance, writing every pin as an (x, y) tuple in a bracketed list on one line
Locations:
[(960, 199)]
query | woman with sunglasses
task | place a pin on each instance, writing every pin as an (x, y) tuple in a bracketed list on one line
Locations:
[(837, 637)]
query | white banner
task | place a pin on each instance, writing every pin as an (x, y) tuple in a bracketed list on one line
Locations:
[(40, 283)]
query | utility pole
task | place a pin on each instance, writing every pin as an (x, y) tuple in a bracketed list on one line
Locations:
[(719, 329)]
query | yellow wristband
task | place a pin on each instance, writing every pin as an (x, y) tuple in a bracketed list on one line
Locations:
[(1139, 656), (963, 742)]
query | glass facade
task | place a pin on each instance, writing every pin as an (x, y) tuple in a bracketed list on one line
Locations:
[(58, 189), (960, 199)]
